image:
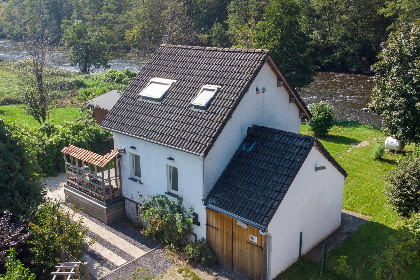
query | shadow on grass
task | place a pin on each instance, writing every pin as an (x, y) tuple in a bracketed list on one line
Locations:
[(338, 139), (356, 124), (388, 161), (357, 258)]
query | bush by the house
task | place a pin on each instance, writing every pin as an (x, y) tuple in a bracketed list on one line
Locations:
[(169, 221), (53, 230), (200, 252), (403, 188), (15, 269), (378, 151), (322, 118)]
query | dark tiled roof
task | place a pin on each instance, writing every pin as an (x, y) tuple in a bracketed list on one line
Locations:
[(173, 121), (257, 178)]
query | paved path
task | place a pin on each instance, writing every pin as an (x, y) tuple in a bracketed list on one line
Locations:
[(115, 246)]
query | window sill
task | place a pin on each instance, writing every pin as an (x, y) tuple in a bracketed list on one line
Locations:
[(172, 194), (135, 180)]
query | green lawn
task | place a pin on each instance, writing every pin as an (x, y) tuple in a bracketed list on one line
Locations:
[(363, 193), (17, 114), (8, 82)]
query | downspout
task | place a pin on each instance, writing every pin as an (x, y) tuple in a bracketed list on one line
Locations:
[(268, 253)]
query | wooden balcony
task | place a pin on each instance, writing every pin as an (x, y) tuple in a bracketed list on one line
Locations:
[(93, 182)]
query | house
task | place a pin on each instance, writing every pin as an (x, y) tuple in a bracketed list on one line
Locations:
[(220, 127), (103, 103)]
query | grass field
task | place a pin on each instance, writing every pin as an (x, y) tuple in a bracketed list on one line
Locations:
[(8, 81), (17, 114), (363, 193)]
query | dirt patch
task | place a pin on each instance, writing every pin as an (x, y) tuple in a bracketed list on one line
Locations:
[(358, 145), (350, 222)]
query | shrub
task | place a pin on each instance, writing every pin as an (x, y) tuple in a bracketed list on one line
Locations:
[(402, 250), (118, 76), (21, 189), (15, 269), (46, 142), (403, 188), (200, 252), (378, 151), (169, 221), (53, 230), (322, 118)]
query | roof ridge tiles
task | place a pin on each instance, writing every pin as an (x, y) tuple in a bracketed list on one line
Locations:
[(243, 50)]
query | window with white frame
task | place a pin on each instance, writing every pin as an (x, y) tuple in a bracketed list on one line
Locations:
[(172, 179), (135, 166), (156, 88), (206, 93)]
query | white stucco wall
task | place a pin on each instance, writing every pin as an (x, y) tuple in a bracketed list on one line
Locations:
[(153, 162), (312, 206), (270, 109)]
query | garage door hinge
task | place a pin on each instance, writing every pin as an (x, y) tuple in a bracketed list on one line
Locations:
[(212, 226), (255, 245)]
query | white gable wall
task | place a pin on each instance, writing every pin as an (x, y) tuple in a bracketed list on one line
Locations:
[(312, 206), (153, 162), (271, 109)]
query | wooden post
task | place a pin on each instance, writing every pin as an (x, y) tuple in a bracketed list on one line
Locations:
[(87, 275), (109, 180), (116, 173)]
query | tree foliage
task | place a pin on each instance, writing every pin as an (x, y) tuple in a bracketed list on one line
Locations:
[(87, 45), (343, 35), (45, 142), (12, 235), (281, 32), (53, 230), (396, 96), (403, 189), (20, 188), (15, 269)]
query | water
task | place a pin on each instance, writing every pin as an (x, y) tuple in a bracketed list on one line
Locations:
[(348, 93), (14, 50)]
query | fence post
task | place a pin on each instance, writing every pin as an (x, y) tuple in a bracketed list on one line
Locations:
[(87, 275)]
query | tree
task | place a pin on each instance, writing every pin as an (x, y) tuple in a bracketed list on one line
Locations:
[(396, 96), (242, 21), (35, 89), (281, 32), (53, 230), (87, 45), (20, 188)]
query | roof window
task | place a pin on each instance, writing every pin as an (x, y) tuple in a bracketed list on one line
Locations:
[(204, 96), (156, 88)]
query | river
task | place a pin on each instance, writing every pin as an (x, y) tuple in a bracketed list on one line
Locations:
[(348, 93)]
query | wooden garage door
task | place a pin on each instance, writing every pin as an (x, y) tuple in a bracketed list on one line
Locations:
[(238, 247)]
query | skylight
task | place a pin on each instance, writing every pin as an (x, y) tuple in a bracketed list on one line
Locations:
[(204, 96), (156, 88)]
